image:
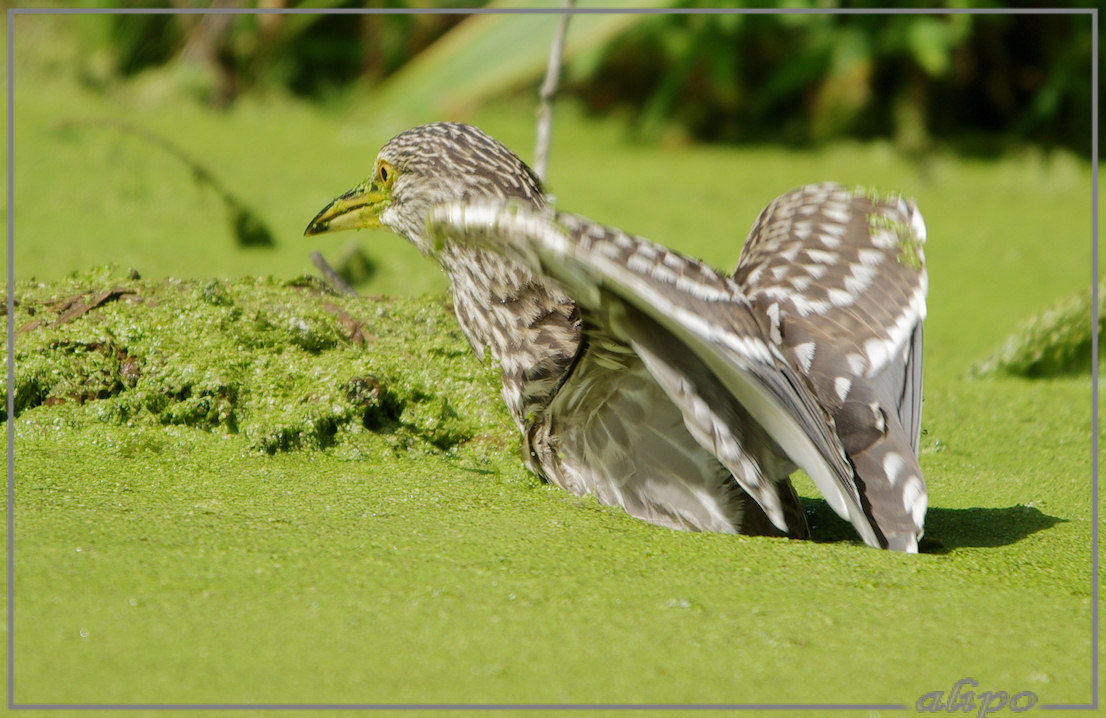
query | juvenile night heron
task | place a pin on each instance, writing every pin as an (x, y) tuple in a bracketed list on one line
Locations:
[(658, 384)]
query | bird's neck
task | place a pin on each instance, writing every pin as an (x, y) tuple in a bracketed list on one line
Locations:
[(532, 330)]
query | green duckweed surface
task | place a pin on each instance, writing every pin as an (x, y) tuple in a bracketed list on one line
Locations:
[(243, 490), (255, 491)]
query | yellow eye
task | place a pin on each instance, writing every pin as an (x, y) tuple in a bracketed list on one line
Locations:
[(385, 173)]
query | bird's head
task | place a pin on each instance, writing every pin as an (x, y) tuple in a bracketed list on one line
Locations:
[(424, 167)]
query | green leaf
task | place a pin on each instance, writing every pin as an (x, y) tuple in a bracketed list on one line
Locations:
[(930, 41), (488, 55)]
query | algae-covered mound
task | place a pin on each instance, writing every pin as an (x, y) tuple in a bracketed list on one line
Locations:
[(1055, 342), (283, 365)]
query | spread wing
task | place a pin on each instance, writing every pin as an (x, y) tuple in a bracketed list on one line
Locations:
[(840, 278), (697, 334)]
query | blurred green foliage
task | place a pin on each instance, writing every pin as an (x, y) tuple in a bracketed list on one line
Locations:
[(978, 81), (801, 78), (312, 54)]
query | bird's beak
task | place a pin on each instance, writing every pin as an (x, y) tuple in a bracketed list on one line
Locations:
[(359, 208)]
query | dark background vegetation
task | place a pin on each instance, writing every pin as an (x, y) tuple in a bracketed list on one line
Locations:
[(975, 82)]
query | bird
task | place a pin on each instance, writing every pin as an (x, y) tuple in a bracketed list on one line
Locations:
[(659, 384)]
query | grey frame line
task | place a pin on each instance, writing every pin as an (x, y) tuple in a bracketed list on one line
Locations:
[(12, 12), (1095, 518), (552, 11), (11, 367), (463, 706)]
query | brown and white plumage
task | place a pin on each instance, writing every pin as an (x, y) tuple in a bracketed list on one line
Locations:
[(642, 376), (841, 277)]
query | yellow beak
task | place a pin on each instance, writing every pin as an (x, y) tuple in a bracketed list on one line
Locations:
[(359, 208)]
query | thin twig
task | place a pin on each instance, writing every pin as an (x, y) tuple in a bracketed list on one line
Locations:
[(332, 277), (548, 92), (199, 171), (248, 227)]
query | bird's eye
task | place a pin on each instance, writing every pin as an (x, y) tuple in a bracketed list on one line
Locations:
[(385, 173)]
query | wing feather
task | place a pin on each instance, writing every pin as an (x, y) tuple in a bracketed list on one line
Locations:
[(703, 310), (840, 277)]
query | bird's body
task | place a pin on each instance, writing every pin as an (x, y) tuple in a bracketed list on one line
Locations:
[(656, 383), (592, 417)]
